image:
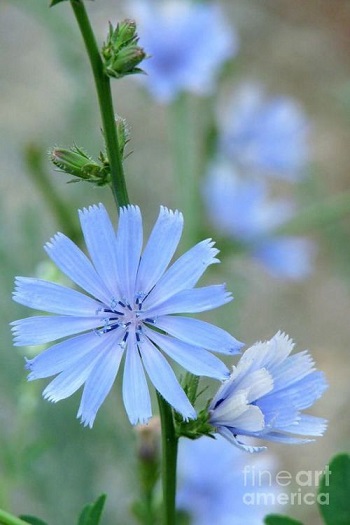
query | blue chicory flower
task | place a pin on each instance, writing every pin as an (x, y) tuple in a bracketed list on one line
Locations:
[(127, 312), (266, 394), (241, 209), (188, 43), (213, 481), (265, 135)]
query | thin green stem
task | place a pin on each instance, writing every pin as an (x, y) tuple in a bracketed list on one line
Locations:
[(104, 94), (169, 458), (9, 519)]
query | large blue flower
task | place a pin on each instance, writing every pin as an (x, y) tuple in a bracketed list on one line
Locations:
[(187, 43), (266, 394), (127, 311)]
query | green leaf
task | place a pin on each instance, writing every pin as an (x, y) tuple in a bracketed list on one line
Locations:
[(91, 514), (54, 2), (334, 491), (32, 520), (275, 519)]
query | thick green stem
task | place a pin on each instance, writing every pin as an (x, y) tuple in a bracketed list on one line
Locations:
[(104, 94), (9, 519), (169, 458)]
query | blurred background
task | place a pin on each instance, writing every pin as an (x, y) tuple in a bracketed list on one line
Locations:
[(50, 465)]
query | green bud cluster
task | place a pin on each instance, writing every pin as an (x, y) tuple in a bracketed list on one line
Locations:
[(121, 53)]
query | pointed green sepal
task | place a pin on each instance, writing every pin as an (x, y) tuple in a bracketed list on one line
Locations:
[(91, 514)]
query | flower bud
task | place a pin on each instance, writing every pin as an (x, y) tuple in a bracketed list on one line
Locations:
[(123, 133), (120, 52), (76, 162)]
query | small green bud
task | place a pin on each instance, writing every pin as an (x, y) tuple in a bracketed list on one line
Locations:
[(120, 52), (126, 31), (76, 162), (123, 133)]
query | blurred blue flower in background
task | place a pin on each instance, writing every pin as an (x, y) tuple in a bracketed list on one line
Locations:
[(265, 135), (212, 483), (129, 296), (266, 394), (241, 209), (188, 43)]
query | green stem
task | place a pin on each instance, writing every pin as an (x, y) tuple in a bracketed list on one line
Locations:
[(9, 519), (104, 94), (169, 458)]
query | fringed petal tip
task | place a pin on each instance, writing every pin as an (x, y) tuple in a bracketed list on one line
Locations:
[(172, 213), (91, 209), (139, 420), (130, 208), (87, 420)]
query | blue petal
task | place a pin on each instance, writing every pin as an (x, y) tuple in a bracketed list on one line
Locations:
[(68, 381), (51, 297), (160, 248), (184, 273), (309, 426), (226, 413), (193, 358), (74, 263), (101, 243), (227, 434), (135, 390), (294, 368), (199, 333), (300, 395), (44, 329), (269, 354), (164, 380), (99, 382), (64, 354), (279, 437), (129, 245), (191, 301)]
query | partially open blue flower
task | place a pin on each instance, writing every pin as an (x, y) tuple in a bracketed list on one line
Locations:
[(266, 394), (126, 311), (265, 135), (187, 42)]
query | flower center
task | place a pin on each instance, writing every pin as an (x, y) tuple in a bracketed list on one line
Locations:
[(124, 316)]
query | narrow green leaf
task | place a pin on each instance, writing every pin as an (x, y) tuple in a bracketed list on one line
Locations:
[(32, 520), (54, 2), (333, 496), (275, 519), (91, 514)]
